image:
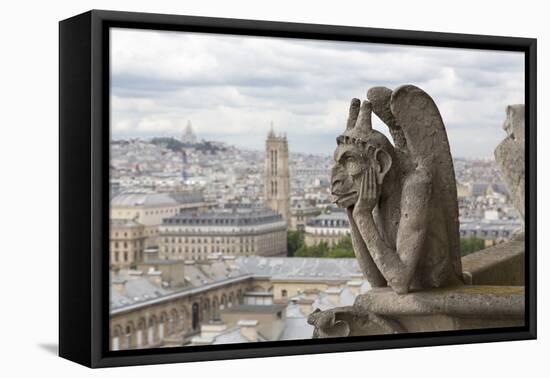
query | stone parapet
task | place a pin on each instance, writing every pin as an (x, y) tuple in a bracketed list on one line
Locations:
[(382, 311), (502, 264)]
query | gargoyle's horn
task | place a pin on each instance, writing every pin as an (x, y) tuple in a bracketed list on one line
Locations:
[(364, 121), (353, 113)]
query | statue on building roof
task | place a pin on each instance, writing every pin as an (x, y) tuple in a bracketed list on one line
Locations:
[(401, 199), (401, 202)]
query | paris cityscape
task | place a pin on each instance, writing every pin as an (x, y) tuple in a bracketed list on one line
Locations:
[(223, 228), (213, 243)]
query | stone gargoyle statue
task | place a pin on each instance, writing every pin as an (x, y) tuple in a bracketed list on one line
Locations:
[(510, 157), (401, 199)]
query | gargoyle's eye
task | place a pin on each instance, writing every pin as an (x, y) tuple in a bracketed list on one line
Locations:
[(349, 159), (352, 165)]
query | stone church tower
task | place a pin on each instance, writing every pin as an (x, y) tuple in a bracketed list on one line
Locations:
[(277, 178)]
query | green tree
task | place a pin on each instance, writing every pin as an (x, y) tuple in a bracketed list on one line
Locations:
[(319, 250), (344, 248), (294, 242), (471, 245)]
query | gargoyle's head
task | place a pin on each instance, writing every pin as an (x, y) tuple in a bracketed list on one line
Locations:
[(358, 148), (514, 125)]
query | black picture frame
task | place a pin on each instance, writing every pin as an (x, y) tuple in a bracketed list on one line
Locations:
[(84, 190)]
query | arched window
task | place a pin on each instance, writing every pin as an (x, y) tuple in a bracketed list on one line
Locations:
[(115, 339), (128, 337), (174, 321), (151, 336), (140, 333), (162, 324), (223, 302), (215, 309), (195, 316)]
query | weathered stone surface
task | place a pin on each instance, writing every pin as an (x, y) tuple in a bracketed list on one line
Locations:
[(510, 155), (350, 320), (401, 201), (502, 264), (382, 311), (462, 301)]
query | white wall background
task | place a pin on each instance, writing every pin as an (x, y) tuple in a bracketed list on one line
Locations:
[(29, 190)]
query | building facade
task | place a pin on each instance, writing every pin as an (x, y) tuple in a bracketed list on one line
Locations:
[(171, 319), (230, 297), (329, 228), (300, 214), (149, 209), (127, 243), (277, 176), (492, 232), (234, 231)]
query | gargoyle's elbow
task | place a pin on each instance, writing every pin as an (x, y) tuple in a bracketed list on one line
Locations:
[(400, 287)]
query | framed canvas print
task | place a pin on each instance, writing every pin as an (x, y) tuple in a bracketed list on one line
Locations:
[(234, 188)]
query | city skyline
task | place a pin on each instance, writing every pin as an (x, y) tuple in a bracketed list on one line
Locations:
[(233, 87)]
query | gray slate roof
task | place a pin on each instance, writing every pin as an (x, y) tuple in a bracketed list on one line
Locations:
[(296, 326), (299, 267), (138, 289), (240, 216), (334, 219)]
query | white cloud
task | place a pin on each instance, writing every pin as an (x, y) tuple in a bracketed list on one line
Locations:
[(231, 87)]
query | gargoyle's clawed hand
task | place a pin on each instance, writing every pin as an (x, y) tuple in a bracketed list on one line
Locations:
[(369, 193)]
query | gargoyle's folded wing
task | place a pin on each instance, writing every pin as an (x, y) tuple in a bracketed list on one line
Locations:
[(428, 146)]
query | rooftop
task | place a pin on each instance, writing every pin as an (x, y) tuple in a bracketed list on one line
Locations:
[(334, 219), (139, 290), (155, 199), (232, 216), (264, 309)]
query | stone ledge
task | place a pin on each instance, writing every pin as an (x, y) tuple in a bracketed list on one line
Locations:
[(382, 311), (502, 264), (461, 301)]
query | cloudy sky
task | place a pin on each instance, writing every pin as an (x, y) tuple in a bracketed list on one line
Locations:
[(232, 87)]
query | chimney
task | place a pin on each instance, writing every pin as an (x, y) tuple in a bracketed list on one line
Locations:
[(249, 329), (151, 254), (154, 276), (355, 286), (305, 305), (333, 295), (209, 331), (118, 286)]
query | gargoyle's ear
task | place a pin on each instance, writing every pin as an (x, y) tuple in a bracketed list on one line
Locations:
[(384, 164)]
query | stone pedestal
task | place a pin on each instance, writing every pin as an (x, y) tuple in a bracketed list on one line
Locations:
[(382, 311)]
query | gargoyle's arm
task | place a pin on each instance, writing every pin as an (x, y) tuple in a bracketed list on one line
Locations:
[(398, 267), (366, 263)]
